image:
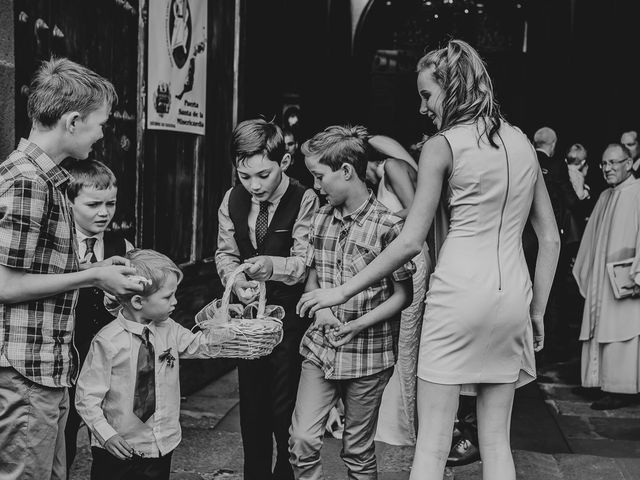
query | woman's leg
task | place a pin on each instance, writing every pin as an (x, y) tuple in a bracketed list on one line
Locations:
[(495, 402), (437, 406)]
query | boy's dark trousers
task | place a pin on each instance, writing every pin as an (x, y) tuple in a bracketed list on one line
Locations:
[(91, 316), (268, 388), (107, 467)]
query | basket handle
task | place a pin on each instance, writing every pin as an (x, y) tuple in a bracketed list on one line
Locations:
[(262, 289)]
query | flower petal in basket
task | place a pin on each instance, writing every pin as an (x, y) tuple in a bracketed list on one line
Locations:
[(274, 311), (213, 313), (270, 311), (236, 310)]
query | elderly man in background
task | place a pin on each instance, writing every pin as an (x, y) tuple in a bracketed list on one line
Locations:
[(630, 140), (610, 332)]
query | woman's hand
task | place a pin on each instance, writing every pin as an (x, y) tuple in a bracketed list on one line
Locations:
[(313, 301), (538, 332)]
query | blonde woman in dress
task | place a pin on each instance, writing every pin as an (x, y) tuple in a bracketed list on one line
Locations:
[(483, 318)]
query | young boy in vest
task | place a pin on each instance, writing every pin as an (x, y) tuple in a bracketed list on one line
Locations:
[(40, 274), (92, 194), (350, 350), (265, 221), (128, 392)]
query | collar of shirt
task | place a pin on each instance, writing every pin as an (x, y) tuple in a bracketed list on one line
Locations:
[(359, 214), (628, 182), (81, 236), (133, 327), (55, 173), (277, 194)]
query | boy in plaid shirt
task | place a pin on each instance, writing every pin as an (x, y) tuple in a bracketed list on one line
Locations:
[(39, 270), (349, 351)]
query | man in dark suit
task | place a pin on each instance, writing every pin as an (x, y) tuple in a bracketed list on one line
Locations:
[(563, 201)]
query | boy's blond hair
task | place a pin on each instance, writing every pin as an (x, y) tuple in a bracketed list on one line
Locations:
[(339, 144), (153, 266), (60, 86)]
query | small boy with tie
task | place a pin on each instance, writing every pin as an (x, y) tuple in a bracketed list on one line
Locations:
[(265, 220), (92, 195), (128, 392)]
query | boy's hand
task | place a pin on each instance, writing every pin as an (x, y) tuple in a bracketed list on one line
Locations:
[(326, 320), (117, 280), (115, 260), (118, 447), (344, 334), (246, 291), (261, 268), (312, 301)]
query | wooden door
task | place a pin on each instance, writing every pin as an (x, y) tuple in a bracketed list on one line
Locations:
[(101, 35)]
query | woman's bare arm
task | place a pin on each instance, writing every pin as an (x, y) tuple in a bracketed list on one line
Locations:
[(544, 224), (435, 165)]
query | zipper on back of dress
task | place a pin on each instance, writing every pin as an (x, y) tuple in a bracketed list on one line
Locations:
[(504, 206)]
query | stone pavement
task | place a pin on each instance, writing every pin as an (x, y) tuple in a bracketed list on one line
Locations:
[(606, 433), (555, 436)]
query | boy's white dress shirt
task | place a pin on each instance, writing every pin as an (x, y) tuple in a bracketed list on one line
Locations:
[(105, 389)]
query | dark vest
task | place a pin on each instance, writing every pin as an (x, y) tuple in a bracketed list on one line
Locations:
[(91, 315), (277, 242)]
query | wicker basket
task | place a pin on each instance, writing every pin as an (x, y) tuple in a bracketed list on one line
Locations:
[(238, 331)]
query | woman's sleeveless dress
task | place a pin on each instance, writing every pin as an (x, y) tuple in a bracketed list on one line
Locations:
[(396, 418), (476, 327)]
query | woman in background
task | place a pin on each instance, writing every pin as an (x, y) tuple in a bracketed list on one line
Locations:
[(395, 173)]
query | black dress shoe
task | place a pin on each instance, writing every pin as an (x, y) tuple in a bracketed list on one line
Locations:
[(614, 400), (463, 452), (592, 393)]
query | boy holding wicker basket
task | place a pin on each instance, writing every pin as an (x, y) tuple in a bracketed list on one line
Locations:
[(264, 223)]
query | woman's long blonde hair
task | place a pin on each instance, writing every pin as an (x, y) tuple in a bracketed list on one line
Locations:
[(468, 90)]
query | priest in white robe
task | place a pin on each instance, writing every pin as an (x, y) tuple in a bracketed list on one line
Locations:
[(610, 332)]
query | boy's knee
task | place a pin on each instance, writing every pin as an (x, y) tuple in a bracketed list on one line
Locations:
[(304, 446)]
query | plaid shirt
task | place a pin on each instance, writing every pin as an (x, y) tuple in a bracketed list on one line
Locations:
[(37, 235), (340, 247)]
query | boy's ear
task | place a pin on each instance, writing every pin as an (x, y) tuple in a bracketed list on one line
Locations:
[(285, 162), (137, 302), (71, 121), (347, 171)]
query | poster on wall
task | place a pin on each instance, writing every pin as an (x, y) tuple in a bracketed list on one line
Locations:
[(177, 65)]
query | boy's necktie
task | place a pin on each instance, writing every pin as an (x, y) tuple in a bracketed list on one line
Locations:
[(90, 242), (144, 400), (262, 223)]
